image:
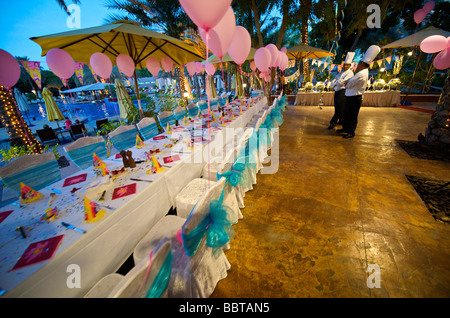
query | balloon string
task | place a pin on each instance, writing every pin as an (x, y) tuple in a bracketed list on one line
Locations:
[(209, 107)]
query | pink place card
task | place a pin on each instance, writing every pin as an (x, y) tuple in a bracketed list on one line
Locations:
[(171, 159), (118, 156), (200, 139), (159, 137), (75, 179), (5, 214), (124, 191), (38, 252)]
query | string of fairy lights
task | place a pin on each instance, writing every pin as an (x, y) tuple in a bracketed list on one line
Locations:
[(18, 130)]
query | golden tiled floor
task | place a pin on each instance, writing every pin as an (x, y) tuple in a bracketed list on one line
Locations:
[(334, 207)]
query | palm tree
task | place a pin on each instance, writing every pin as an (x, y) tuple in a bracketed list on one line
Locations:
[(63, 5)]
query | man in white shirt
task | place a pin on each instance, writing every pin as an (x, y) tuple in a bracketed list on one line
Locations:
[(339, 90), (354, 90)]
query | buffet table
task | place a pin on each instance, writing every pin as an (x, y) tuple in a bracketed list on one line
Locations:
[(370, 98), (43, 264)]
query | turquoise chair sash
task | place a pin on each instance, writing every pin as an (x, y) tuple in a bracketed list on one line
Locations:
[(193, 111), (180, 115), (203, 106), (36, 177), (162, 279), (169, 119), (82, 157), (215, 225), (149, 131), (125, 140)]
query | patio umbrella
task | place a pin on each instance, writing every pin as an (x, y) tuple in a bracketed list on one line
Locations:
[(416, 38), (304, 51), (123, 98), (120, 37), (212, 87), (22, 104), (52, 109)]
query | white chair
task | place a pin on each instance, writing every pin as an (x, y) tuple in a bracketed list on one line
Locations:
[(195, 273), (141, 281), (188, 197)]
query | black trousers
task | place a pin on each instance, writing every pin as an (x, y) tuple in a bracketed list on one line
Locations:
[(339, 101), (350, 114)]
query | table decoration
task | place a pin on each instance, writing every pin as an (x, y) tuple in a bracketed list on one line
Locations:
[(91, 211), (139, 142), (50, 214), (5, 214), (155, 165), (124, 191), (171, 159), (38, 252), (75, 179), (27, 194)]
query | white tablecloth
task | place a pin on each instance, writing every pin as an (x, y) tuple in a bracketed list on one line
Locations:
[(111, 240), (370, 98)]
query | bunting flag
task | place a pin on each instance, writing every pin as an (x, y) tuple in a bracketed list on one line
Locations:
[(371, 65), (291, 64), (79, 71), (139, 142), (93, 73), (319, 63), (388, 59), (339, 68), (380, 62), (34, 69), (186, 121)]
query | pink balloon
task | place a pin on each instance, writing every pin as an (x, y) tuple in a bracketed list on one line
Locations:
[(240, 45), (199, 67), (61, 63), (262, 74), (419, 15), (262, 59), (125, 64), (434, 43), (191, 68), (167, 63), (10, 73), (283, 49), (210, 68), (101, 64), (153, 66), (267, 78), (206, 14), (279, 59), (427, 7), (442, 60), (221, 35), (253, 66), (273, 53)]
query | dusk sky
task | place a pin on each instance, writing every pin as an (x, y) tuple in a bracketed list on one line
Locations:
[(21, 20)]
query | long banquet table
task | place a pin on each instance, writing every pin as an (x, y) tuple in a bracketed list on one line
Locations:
[(109, 241), (370, 98)]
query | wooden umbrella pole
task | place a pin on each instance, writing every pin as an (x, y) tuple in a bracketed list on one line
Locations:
[(412, 78), (137, 94)]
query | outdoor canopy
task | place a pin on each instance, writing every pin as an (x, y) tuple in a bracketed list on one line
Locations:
[(85, 88), (416, 38)]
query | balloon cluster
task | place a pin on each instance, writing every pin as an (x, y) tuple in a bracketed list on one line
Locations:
[(441, 44), (270, 57), (420, 14)]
